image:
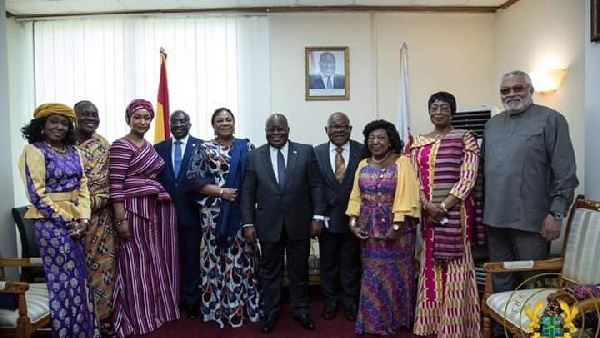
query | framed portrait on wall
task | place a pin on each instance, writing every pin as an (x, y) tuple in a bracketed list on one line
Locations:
[(327, 73), (595, 20)]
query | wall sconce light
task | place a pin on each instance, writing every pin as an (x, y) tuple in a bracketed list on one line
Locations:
[(547, 81)]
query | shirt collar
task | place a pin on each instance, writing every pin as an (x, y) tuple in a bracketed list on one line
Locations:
[(283, 149), (345, 146), (183, 140)]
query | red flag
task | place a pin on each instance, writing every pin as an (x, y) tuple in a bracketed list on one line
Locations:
[(403, 117), (161, 127)]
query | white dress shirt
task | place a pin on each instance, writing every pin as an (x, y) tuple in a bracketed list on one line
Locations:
[(333, 152), (273, 152)]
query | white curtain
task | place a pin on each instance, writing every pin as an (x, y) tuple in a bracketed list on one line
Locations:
[(217, 61)]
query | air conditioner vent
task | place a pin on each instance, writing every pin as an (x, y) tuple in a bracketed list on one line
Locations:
[(472, 119)]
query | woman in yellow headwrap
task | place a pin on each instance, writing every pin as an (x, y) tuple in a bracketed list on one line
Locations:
[(52, 171)]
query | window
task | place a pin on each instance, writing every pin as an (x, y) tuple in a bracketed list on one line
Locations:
[(217, 61)]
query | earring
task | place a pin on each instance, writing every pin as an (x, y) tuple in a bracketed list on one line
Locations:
[(42, 131)]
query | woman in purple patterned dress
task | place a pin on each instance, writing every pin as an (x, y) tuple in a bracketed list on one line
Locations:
[(383, 200), (52, 171), (147, 264), (229, 286)]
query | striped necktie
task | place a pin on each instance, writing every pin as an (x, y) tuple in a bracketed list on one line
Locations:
[(340, 164)]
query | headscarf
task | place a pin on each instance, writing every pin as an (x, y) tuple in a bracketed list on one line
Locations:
[(136, 105), (47, 109)]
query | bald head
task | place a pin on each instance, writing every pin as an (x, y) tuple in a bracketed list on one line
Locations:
[(338, 128), (277, 130)]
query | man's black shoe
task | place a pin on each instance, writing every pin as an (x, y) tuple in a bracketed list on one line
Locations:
[(305, 321), (350, 312), (330, 310), (192, 311), (268, 324)]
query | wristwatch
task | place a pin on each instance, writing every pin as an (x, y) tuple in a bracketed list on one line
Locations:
[(559, 216), (396, 226)]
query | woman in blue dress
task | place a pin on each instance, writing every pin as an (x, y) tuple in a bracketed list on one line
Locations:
[(56, 186)]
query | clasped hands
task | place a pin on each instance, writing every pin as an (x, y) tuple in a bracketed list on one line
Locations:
[(390, 235), (77, 227), (435, 212)]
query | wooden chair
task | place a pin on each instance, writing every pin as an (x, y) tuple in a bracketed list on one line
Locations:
[(579, 263), (29, 248), (32, 305)]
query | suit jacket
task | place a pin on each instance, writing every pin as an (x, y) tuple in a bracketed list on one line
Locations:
[(271, 209), (337, 194), (316, 81), (187, 210)]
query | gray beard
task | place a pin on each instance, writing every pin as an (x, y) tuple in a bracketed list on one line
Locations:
[(526, 103)]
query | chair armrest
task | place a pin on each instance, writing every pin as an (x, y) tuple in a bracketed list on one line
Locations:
[(495, 267), (14, 287), (20, 262), (546, 264), (590, 304)]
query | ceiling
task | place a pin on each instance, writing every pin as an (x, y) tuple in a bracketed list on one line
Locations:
[(33, 8)]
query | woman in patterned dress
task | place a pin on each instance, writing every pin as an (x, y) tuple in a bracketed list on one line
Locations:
[(447, 162), (383, 203), (100, 235), (229, 286), (147, 265), (56, 186)]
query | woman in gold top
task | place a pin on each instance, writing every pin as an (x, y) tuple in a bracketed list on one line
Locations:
[(100, 236), (56, 186), (383, 201)]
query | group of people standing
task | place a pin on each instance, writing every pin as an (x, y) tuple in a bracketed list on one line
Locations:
[(120, 226)]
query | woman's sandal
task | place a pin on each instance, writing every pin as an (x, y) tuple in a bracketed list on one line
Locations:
[(107, 330)]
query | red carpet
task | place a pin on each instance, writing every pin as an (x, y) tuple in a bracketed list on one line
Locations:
[(285, 327)]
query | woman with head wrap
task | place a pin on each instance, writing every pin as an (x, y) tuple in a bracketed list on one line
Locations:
[(56, 186), (383, 203), (146, 270), (100, 236), (447, 162)]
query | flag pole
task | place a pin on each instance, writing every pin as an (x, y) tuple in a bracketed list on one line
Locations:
[(162, 130)]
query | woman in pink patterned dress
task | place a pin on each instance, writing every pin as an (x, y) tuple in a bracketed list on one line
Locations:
[(447, 162), (146, 271)]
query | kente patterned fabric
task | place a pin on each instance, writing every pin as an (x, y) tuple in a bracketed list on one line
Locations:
[(230, 292), (136, 105), (381, 196), (147, 265), (47, 109), (100, 235), (450, 165), (57, 189), (447, 297)]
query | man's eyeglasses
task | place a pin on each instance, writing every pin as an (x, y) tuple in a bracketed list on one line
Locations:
[(340, 127), (518, 89)]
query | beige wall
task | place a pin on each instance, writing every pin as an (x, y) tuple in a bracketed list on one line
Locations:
[(534, 34), (451, 52)]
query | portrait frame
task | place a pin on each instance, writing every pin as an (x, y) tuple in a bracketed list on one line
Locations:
[(318, 68), (594, 20)]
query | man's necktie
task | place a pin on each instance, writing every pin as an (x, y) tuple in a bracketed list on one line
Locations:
[(281, 169), (177, 159), (328, 85), (340, 164)]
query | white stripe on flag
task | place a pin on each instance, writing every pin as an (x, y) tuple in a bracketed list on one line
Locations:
[(403, 117)]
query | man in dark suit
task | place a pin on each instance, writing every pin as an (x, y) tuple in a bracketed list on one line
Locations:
[(282, 206), (176, 152), (339, 249), (327, 79)]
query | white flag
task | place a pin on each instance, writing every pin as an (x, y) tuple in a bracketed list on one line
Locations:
[(403, 117)]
